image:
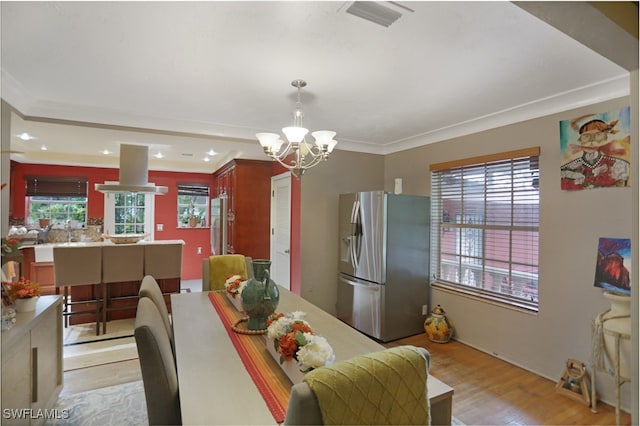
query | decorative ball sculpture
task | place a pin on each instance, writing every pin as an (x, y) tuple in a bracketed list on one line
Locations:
[(438, 327)]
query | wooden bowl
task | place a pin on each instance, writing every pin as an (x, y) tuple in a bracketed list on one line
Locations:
[(125, 238)]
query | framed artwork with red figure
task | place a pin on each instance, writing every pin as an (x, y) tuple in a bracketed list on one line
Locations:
[(613, 265), (596, 150)]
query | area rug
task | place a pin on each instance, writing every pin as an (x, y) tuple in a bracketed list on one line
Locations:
[(114, 405)]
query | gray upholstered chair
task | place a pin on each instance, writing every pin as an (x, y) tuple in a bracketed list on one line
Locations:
[(150, 288), (216, 269), (158, 368), (350, 391)]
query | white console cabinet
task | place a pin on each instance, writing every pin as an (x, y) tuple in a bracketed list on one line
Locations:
[(32, 370)]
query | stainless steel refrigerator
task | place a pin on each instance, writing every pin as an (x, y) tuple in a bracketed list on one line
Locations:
[(219, 226), (384, 263)]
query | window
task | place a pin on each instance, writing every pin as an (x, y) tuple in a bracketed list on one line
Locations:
[(193, 204), (56, 198), (129, 213), (484, 229)]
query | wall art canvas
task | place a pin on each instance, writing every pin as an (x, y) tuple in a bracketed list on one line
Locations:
[(613, 265), (596, 150)]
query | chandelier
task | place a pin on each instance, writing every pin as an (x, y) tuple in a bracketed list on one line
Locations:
[(298, 154)]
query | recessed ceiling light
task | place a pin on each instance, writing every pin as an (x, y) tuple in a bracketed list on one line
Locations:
[(106, 152), (159, 155), (43, 148), (206, 159), (26, 136), (211, 153)]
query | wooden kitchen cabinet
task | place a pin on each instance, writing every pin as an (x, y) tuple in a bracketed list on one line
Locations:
[(247, 184)]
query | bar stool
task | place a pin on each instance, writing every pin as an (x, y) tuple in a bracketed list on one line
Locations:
[(120, 263), (163, 261), (79, 265)]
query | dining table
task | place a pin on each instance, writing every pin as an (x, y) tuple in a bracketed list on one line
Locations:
[(228, 377)]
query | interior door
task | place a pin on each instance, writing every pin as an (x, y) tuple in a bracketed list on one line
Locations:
[(280, 242)]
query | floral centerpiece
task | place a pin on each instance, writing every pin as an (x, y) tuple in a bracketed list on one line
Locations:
[(234, 286), (22, 293), (294, 341), (10, 245), (22, 289)]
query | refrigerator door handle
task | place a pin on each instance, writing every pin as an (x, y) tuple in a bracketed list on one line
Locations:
[(357, 234), (354, 209), (359, 284), (353, 241)]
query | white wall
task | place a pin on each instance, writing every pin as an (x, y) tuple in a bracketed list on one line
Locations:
[(570, 225)]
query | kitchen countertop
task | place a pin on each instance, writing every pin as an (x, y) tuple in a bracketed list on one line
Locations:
[(44, 252)]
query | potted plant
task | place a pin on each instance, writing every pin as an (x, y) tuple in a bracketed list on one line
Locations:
[(193, 216)]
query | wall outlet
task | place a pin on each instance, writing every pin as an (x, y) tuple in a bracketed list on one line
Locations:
[(159, 227), (424, 309), (199, 250)]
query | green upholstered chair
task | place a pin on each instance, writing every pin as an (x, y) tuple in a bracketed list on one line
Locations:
[(157, 364), (385, 387), (216, 269)]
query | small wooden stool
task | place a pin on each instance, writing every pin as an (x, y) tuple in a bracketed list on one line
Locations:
[(574, 382)]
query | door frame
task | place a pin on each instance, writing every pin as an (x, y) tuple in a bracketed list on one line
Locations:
[(277, 179)]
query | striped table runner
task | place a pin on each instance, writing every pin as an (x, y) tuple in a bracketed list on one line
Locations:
[(272, 383)]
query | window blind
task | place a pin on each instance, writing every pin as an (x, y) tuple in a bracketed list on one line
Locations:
[(485, 216), (56, 186), (194, 189)]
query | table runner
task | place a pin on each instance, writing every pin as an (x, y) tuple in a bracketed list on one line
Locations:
[(272, 383)]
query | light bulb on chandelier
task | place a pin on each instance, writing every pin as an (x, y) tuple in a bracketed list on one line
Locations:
[(298, 155)]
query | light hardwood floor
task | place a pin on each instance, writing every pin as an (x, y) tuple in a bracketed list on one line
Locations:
[(489, 391)]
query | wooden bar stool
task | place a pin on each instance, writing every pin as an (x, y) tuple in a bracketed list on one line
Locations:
[(78, 265), (120, 263)]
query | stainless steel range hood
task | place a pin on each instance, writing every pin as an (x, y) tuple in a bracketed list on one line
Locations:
[(134, 173)]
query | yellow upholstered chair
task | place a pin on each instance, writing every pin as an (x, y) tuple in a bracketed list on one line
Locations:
[(387, 387), (216, 270)]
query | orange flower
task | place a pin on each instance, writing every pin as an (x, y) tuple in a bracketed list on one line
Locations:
[(23, 289), (274, 317), (300, 326), (288, 346)]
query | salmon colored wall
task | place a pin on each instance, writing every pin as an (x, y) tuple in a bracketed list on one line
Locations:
[(165, 205)]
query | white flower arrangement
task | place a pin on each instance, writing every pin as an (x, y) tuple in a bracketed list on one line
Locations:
[(293, 339), (234, 285)]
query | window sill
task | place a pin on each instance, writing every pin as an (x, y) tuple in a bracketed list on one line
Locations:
[(193, 227), (485, 298)]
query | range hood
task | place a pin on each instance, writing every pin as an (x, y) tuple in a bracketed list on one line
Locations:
[(134, 173)]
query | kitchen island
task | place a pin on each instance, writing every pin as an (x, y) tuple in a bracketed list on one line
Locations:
[(115, 279)]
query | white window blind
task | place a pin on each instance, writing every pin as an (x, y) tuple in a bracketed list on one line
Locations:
[(485, 214)]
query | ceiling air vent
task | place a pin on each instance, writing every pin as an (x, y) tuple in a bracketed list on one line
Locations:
[(374, 12)]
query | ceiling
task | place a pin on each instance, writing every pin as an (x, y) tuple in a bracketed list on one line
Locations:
[(185, 78)]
